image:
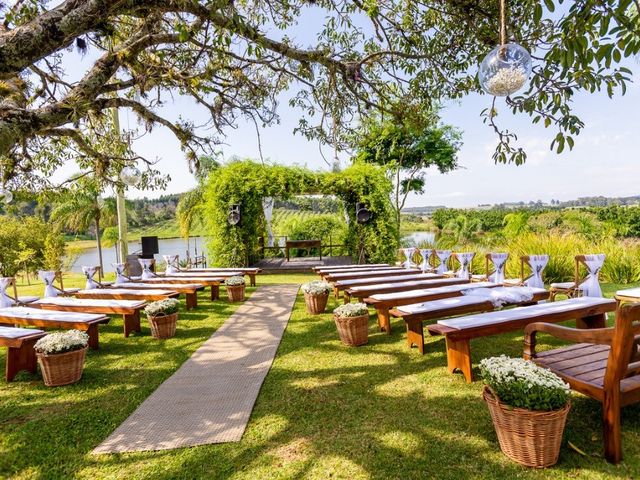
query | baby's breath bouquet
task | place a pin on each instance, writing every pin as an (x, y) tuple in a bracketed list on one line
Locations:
[(162, 308), (317, 287), (234, 281), (521, 383), (62, 342), (351, 310)]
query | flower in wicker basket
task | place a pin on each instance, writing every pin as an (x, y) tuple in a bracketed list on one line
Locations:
[(352, 321), (61, 357), (163, 317), (235, 288), (529, 407), (316, 294)]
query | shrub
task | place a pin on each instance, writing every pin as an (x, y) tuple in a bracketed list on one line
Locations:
[(317, 287), (522, 384), (351, 310), (62, 342), (234, 281), (162, 308)]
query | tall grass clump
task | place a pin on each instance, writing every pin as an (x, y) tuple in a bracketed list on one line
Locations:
[(622, 264)]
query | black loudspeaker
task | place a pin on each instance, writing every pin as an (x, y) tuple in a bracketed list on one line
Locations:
[(234, 214), (149, 246), (363, 215)]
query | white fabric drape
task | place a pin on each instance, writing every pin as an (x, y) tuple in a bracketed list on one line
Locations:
[(425, 254), (465, 260), (48, 277), (89, 272), (146, 264), (172, 263), (267, 208), (408, 253), (591, 286), (537, 263), (120, 269), (5, 300), (500, 296), (499, 261), (443, 256)]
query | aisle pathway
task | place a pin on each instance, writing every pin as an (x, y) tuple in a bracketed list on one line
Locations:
[(210, 397)]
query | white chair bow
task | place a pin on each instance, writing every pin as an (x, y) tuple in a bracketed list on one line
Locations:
[(591, 285), (146, 264), (443, 256), (465, 260), (120, 269), (408, 253), (89, 272), (5, 299), (172, 263), (48, 277), (537, 263), (499, 261), (425, 254)]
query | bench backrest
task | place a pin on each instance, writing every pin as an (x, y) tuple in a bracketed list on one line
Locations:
[(623, 358)]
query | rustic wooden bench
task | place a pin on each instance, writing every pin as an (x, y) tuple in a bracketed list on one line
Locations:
[(384, 298), (589, 312), (416, 314), (380, 272), (129, 309), (20, 352), (190, 290), (603, 364), (251, 272), (360, 282), (368, 291), (127, 294), (349, 268), (37, 317), (212, 282)]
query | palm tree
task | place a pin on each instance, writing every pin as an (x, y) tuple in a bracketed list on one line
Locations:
[(81, 208)]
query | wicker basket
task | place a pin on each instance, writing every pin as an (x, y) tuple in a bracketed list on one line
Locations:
[(529, 437), (353, 331), (235, 293), (316, 303), (62, 368), (163, 326)]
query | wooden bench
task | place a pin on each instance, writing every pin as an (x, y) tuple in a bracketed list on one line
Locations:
[(190, 290), (348, 268), (382, 272), (20, 352), (360, 282), (129, 309), (6, 282), (416, 314), (386, 297), (361, 293), (589, 312), (251, 272), (603, 364), (213, 282), (37, 317), (303, 244), (127, 294)]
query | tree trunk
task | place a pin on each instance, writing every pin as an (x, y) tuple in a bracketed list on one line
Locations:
[(99, 243), (397, 203)]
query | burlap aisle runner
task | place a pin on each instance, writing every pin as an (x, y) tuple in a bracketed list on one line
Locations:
[(210, 397)]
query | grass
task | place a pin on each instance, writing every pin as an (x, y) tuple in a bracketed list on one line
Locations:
[(381, 411)]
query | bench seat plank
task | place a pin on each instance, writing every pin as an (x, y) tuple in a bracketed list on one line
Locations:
[(213, 282), (358, 282), (382, 272), (190, 290)]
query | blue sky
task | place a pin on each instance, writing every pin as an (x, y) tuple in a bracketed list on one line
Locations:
[(605, 159)]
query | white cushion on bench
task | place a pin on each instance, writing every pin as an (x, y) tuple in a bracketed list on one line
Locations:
[(396, 279), (456, 287), (521, 313), (14, 332), (90, 302), (38, 313), (629, 292)]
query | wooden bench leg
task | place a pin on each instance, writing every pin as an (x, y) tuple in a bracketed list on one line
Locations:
[(191, 300), (611, 427), (347, 297), (384, 322), (415, 334), (336, 293), (21, 358), (594, 321), (252, 280), (92, 331), (459, 357), (131, 322), (215, 292)]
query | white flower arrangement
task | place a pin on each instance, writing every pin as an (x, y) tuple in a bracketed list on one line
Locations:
[(317, 287), (506, 81), (521, 383), (351, 310), (234, 281), (62, 342), (162, 308)]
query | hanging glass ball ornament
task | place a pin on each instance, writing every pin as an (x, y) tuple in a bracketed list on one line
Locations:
[(5, 195), (505, 70), (130, 176)]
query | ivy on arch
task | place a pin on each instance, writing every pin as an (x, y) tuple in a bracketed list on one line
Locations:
[(246, 182)]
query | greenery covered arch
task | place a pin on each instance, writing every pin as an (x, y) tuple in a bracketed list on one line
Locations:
[(246, 183)]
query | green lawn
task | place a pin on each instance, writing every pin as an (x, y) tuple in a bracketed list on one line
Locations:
[(380, 411)]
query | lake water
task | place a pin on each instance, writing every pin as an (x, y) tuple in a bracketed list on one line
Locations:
[(168, 246), (415, 238)]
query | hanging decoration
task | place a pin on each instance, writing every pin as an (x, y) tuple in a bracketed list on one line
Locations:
[(507, 67), (130, 176)]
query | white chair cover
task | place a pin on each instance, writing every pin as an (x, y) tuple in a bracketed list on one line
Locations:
[(172, 263), (89, 272), (408, 253), (591, 286), (48, 277), (5, 300), (465, 260), (120, 269), (425, 254), (537, 263), (499, 261), (146, 264), (443, 256)]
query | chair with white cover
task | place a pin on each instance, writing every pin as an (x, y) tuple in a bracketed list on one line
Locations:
[(426, 254), (172, 261), (495, 264), (536, 265), (443, 257), (7, 300), (465, 259), (49, 278), (147, 265), (408, 255), (121, 272), (587, 285), (89, 274)]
